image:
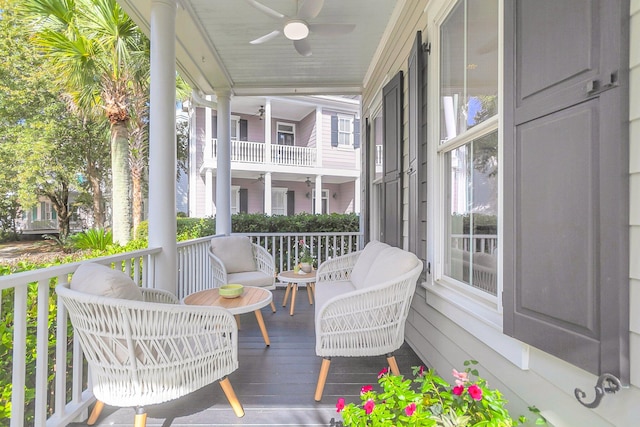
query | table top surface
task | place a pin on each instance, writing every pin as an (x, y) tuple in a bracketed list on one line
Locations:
[(252, 299), (293, 277)]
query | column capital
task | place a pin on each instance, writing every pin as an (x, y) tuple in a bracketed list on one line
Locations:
[(223, 93)]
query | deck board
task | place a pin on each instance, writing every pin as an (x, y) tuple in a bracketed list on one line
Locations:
[(274, 384)]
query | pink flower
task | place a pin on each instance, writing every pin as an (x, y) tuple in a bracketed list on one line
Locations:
[(368, 406), (461, 377), (410, 409), (457, 390), (475, 392), (382, 372), (366, 389), (340, 405), (421, 372)]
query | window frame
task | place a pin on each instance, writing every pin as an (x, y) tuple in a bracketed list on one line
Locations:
[(292, 132), (283, 191), (349, 135), (235, 199)]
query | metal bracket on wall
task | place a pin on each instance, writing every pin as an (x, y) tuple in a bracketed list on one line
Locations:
[(613, 384)]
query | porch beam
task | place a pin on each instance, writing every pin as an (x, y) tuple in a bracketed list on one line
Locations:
[(162, 143), (223, 173)]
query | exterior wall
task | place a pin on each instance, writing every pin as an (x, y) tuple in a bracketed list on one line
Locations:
[(335, 157), (445, 334), (199, 195), (306, 131)]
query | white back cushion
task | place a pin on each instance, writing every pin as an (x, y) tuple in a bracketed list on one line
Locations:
[(235, 252), (389, 264), (363, 264), (97, 279)]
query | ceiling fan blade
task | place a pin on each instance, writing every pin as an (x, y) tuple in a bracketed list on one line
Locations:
[(266, 10), (310, 9), (331, 29), (303, 47), (273, 34)]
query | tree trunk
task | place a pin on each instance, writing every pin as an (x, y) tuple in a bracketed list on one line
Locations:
[(60, 202), (96, 190), (136, 186), (120, 200)]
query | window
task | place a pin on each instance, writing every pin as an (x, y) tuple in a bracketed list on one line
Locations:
[(234, 130), (278, 201), (468, 150), (286, 133), (325, 200), (235, 199), (345, 131)]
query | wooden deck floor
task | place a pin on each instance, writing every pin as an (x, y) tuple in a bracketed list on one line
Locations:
[(274, 384)]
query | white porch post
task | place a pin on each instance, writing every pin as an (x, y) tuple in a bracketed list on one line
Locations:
[(223, 176), (208, 175), (267, 194), (319, 136), (318, 206), (162, 143), (267, 131)]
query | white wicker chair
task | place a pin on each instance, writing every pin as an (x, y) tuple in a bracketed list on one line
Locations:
[(151, 351), (368, 321), (263, 274)]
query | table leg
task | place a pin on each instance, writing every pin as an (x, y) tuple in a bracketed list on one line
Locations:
[(263, 328), (293, 298), (286, 294), (309, 293)]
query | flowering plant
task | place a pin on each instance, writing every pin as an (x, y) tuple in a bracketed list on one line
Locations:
[(434, 402), (305, 252)]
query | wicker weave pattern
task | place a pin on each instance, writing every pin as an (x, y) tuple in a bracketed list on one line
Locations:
[(142, 353), (264, 264), (336, 269), (365, 322)]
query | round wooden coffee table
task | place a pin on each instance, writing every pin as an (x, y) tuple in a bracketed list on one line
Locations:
[(293, 279), (252, 299)]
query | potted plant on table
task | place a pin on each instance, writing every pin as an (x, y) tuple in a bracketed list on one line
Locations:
[(429, 400), (306, 259)]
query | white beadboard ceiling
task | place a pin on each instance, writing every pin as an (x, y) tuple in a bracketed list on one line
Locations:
[(213, 50)]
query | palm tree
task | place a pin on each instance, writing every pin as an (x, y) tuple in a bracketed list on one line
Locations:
[(92, 43)]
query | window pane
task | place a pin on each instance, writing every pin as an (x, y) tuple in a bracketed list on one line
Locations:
[(472, 215), (468, 66)]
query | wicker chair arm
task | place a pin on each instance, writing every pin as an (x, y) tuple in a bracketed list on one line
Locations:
[(336, 269), (264, 260), (159, 296), (218, 269)]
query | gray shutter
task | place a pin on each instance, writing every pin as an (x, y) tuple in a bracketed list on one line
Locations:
[(291, 203), (369, 164), (566, 273), (244, 130), (214, 126), (244, 200), (356, 133), (414, 92), (392, 179), (334, 131)]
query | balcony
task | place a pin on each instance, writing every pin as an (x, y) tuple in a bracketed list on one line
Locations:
[(249, 152)]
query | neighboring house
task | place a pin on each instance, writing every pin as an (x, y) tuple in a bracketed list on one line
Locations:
[(284, 152), (43, 219)]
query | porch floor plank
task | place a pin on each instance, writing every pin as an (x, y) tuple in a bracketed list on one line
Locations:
[(275, 384)]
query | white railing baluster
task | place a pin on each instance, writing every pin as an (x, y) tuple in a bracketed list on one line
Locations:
[(42, 352), (19, 356)]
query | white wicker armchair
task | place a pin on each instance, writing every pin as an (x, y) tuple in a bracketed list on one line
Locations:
[(234, 259), (363, 313), (151, 351)]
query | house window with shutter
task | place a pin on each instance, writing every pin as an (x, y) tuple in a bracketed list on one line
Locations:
[(235, 199), (468, 148), (345, 131), (279, 201)]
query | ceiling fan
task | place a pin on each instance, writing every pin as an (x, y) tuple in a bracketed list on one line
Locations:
[(297, 28)]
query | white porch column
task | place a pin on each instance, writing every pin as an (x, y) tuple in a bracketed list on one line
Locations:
[(319, 139), (267, 131), (267, 193), (162, 143), (223, 176), (318, 206), (208, 191), (208, 177)]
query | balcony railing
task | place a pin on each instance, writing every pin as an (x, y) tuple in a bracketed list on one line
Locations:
[(55, 374), (255, 152)]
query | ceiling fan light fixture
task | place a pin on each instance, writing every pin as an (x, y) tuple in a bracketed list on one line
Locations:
[(296, 30)]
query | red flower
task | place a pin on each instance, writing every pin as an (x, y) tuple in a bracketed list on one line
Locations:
[(421, 372), (366, 389), (340, 405), (382, 372), (368, 406), (457, 390), (410, 409), (475, 392)]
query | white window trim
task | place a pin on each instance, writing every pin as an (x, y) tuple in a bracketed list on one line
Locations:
[(235, 119), (350, 119), (284, 191), (325, 196), (293, 132), (235, 196)]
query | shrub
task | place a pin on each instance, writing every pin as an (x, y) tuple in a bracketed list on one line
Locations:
[(95, 238)]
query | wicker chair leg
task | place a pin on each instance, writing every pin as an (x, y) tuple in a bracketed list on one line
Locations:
[(231, 397), (140, 420), (393, 364), (322, 378), (95, 413)]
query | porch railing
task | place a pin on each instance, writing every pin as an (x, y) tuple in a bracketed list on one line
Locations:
[(56, 375), (255, 152)]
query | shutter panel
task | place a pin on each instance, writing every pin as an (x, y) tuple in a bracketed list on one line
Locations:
[(244, 132), (414, 92), (244, 200), (392, 178), (214, 127), (291, 203), (368, 167), (566, 272), (334, 131), (356, 133)]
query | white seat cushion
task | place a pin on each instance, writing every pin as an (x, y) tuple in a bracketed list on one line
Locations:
[(389, 264), (97, 279), (328, 290), (235, 252), (251, 278), (364, 262)]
